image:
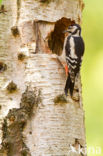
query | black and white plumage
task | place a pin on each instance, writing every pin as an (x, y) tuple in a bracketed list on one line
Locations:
[(74, 50)]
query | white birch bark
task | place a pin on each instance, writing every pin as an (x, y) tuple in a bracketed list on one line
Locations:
[(35, 117)]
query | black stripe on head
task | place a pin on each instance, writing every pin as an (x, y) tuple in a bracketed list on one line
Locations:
[(77, 25)]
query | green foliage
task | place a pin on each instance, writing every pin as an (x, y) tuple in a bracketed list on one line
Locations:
[(92, 72)]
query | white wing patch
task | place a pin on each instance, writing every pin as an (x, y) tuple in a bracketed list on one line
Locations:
[(72, 48)]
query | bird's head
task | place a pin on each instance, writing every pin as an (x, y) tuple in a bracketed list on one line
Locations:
[(74, 29)]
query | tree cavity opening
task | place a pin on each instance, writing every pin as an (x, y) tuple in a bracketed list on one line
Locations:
[(56, 37)]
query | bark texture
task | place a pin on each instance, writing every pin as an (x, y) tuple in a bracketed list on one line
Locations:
[(35, 117)]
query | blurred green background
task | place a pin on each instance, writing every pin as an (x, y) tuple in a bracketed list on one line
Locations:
[(92, 73)]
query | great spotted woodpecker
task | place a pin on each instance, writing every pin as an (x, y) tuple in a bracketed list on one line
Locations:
[(74, 50)]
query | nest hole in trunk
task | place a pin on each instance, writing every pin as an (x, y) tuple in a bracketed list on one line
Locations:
[(56, 37)]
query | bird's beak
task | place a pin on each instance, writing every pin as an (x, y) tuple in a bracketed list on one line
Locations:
[(65, 31), (68, 30)]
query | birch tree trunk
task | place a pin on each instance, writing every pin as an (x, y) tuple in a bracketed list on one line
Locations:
[(35, 117)]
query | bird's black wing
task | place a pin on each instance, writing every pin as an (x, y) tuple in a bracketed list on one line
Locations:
[(79, 50)]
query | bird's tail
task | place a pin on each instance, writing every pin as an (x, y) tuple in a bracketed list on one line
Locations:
[(69, 86)]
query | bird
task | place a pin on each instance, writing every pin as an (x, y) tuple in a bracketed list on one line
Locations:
[(74, 50)]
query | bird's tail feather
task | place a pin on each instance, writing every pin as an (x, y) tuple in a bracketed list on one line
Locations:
[(69, 86)]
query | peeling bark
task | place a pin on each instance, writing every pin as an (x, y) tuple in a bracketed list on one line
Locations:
[(30, 35)]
